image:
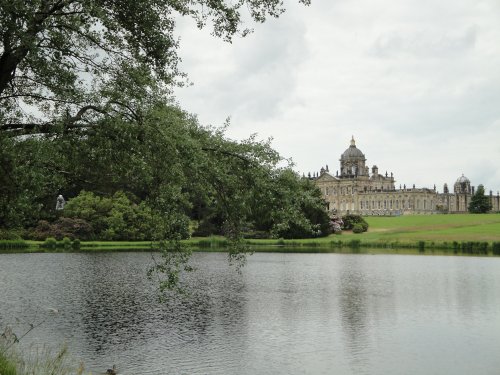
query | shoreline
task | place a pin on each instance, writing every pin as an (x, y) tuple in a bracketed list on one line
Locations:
[(331, 244), (459, 234)]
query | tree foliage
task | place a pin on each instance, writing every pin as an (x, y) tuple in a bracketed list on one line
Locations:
[(68, 63), (171, 169), (85, 105), (479, 203), (290, 207)]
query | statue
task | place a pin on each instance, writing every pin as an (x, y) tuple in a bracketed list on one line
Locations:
[(60, 202)]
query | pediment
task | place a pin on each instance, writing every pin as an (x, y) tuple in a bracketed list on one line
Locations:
[(326, 177)]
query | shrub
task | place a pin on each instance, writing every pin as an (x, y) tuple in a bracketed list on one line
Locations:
[(358, 228), (120, 218), (11, 234), (350, 220), (257, 234), (50, 243), (63, 227), (66, 243)]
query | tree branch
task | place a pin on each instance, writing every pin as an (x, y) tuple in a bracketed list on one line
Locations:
[(228, 153)]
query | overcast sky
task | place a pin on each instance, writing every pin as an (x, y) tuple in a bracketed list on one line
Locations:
[(416, 82)]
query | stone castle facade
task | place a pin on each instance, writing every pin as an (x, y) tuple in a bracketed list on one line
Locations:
[(356, 189)]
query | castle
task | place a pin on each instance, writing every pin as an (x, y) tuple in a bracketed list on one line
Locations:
[(355, 190)]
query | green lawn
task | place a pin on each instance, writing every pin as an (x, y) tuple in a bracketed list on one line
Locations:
[(467, 227)]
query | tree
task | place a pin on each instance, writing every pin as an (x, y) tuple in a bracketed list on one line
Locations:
[(479, 203), (169, 161), (92, 80), (288, 206), (71, 62)]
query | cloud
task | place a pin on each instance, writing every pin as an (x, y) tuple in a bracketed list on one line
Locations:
[(252, 76), (416, 82), (425, 43)]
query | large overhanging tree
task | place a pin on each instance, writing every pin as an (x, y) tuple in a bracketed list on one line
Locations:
[(98, 73), (66, 63)]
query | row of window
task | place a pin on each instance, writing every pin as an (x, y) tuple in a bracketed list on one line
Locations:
[(386, 205), (349, 190)]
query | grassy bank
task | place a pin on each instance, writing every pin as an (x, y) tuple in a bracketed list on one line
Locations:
[(467, 234), (459, 234)]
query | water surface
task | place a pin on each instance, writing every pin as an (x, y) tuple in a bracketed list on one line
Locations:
[(284, 314)]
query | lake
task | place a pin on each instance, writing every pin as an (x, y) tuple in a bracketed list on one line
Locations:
[(283, 314)]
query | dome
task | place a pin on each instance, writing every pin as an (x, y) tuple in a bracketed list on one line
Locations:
[(352, 152), (463, 179), (462, 186)]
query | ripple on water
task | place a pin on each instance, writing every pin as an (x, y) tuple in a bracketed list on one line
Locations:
[(285, 313)]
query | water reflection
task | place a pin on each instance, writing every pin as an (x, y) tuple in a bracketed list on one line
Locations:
[(353, 304), (285, 313)]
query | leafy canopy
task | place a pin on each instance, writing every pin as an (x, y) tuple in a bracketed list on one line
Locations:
[(70, 62)]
